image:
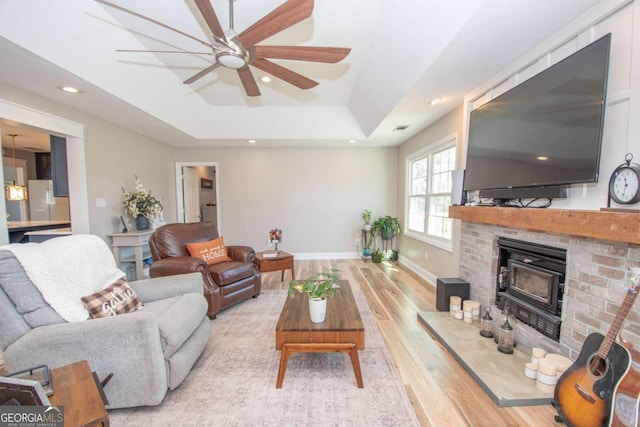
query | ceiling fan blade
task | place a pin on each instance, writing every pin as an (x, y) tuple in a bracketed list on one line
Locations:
[(201, 74), (164, 51), (211, 18), (131, 12), (303, 53), (249, 82), (289, 13), (285, 74)]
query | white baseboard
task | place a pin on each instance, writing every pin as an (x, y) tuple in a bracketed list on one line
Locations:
[(425, 274), (325, 255)]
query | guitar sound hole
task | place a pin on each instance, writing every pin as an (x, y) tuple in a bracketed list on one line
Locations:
[(598, 366)]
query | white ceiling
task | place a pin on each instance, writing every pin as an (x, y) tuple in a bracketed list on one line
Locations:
[(403, 52)]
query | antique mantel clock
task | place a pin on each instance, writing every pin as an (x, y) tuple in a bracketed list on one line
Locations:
[(624, 185)]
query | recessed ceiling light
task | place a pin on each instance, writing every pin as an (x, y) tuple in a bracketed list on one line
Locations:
[(352, 141), (69, 89), (265, 79), (432, 101), (252, 141)]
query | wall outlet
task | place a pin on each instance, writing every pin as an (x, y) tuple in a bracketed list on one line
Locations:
[(101, 203)]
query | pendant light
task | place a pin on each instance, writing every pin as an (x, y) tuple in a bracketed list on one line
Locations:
[(15, 192)]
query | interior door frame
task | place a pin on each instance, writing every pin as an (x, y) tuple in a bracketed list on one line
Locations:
[(180, 194)]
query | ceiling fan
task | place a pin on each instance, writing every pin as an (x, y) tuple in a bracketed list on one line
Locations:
[(239, 51)]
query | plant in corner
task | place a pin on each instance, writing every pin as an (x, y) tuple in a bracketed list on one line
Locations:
[(367, 233), (386, 227), (317, 288), (140, 204), (366, 218), (376, 256)]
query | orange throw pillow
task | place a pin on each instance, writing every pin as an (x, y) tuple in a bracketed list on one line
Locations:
[(212, 251)]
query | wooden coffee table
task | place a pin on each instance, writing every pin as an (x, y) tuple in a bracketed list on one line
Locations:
[(75, 388), (342, 331), (283, 261)]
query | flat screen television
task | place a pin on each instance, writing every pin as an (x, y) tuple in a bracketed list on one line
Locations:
[(544, 134)]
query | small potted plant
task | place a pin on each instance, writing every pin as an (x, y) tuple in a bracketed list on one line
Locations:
[(366, 218), (376, 256), (317, 288)]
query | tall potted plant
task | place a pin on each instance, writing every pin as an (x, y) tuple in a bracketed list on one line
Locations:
[(317, 288)]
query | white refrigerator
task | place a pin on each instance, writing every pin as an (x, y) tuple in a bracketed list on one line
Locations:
[(43, 206)]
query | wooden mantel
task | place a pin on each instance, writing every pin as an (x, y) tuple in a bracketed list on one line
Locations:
[(613, 226)]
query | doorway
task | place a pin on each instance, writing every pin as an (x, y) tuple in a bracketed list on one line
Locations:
[(197, 192), (74, 133)]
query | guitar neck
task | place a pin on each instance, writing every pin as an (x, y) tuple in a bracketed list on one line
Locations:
[(616, 325)]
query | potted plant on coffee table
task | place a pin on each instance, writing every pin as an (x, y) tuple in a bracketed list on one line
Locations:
[(317, 288)]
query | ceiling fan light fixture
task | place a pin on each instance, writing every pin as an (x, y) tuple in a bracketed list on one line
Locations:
[(231, 60)]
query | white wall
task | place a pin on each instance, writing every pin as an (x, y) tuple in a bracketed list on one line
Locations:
[(315, 195)]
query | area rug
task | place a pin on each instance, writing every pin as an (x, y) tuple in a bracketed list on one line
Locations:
[(233, 382)]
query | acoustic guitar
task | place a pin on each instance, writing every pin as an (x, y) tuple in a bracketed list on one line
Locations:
[(585, 392)]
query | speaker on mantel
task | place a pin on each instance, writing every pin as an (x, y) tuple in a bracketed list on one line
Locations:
[(458, 195)]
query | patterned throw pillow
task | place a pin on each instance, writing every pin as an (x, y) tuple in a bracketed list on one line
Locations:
[(116, 299), (212, 251)]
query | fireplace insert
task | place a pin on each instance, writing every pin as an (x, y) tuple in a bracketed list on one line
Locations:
[(531, 277)]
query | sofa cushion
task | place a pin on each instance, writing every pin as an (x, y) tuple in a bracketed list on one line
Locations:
[(116, 299), (26, 298), (189, 308), (229, 272), (211, 251)]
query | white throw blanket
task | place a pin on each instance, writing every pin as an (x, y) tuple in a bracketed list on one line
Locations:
[(67, 268)]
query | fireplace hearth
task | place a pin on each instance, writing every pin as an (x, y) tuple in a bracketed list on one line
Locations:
[(531, 277)]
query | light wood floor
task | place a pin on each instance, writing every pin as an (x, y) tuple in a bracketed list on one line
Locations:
[(441, 391)]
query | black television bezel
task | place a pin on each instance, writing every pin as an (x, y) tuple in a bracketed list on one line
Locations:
[(555, 189)]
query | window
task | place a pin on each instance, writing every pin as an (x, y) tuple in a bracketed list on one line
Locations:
[(429, 192)]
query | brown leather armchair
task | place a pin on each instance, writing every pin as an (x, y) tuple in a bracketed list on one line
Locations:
[(225, 283)]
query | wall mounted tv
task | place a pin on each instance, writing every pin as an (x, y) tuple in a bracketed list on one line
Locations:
[(544, 134)]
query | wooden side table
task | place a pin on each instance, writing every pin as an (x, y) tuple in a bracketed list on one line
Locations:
[(283, 261), (75, 388)]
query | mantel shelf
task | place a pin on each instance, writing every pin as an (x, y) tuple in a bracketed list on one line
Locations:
[(613, 226)]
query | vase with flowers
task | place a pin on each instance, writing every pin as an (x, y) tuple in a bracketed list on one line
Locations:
[(317, 288), (141, 205)]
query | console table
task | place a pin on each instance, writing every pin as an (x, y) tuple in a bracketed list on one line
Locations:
[(139, 241)]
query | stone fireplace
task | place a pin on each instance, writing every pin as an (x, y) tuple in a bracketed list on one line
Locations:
[(596, 264)]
